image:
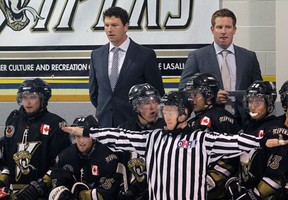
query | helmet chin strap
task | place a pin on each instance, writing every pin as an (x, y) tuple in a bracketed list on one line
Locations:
[(178, 122)]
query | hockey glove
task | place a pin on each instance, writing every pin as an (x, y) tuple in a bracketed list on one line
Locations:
[(238, 192), (61, 193), (32, 191), (62, 177)]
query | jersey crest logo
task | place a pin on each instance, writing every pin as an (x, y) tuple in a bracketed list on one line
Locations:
[(23, 156), (15, 13), (137, 167), (44, 129), (10, 130)]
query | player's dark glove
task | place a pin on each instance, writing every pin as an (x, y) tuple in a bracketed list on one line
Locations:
[(61, 193), (5, 193), (63, 177), (238, 192), (32, 191)]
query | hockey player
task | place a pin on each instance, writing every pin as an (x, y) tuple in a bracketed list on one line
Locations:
[(282, 194), (259, 101), (260, 167), (203, 89), (32, 139), (284, 100), (92, 165), (176, 157), (145, 100)]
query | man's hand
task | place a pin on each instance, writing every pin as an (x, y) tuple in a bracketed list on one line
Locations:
[(222, 97), (73, 130), (276, 142)]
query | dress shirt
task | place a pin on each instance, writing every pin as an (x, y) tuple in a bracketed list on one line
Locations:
[(122, 53), (231, 61)]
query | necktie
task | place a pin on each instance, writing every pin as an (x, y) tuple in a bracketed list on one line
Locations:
[(226, 79), (225, 72), (114, 69)]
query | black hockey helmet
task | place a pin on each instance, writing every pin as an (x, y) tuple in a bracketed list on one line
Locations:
[(284, 95), (35, 85), (206, 83), (265, 89), (86, 122), (139, 92), (180, 99)]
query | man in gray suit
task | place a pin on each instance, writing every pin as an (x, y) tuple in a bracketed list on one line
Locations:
[(116, 67), (243, 64)]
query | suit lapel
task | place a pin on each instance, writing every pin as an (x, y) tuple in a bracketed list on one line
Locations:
[(105, 57), (213, 64), (238, 63)]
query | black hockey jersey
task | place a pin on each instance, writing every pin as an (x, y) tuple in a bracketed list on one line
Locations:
[(31, 144)]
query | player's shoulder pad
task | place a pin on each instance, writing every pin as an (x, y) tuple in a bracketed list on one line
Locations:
[(12, 115)]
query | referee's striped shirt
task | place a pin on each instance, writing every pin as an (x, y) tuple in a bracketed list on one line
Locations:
[(176, 163)]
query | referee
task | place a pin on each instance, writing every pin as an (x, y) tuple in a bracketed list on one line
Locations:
[(176, 157)]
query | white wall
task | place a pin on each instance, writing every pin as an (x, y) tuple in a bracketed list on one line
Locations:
[(256, 29), (281, 42)]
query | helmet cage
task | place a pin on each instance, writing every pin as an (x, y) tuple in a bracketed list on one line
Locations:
[(137, 103), (19, 96), (35, 85)]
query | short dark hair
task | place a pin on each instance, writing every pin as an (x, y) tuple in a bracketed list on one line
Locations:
[(224, 12), (118, 13)]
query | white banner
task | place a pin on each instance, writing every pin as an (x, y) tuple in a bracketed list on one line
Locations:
[(34, 23)]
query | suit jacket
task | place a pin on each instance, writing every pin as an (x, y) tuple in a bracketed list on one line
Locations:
[(204, 60), (139, 66)]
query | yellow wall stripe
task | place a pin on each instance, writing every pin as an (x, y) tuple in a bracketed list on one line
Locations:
[(66, 95)]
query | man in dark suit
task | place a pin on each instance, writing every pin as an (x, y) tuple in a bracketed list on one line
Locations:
[(134, 64), (243, 65)]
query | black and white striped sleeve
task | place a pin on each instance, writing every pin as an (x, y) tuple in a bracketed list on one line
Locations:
[(121, 139), (228, 146)]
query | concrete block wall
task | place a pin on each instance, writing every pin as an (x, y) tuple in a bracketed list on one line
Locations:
[(256, 22)]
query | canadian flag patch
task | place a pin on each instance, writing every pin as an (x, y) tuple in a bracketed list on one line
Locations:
[(95, 170), (205, 121), (44, 129), (261, 133)]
